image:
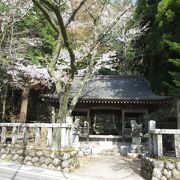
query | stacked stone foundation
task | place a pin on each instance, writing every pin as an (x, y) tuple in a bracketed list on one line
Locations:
[(65, 161), (156, 169)]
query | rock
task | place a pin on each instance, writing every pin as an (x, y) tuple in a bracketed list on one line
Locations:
[(4, 156), (13, 152), (154, 178), (29, 163), (65, 164), (178, 166), (48, 161), (158, 164), (20, 152), (163, 178), (167, 173), (42, 160), (39, 153), (35, 159), (51, 166), (27, 158), (15, 157), (73, 153), (3, 151), (44, 166), (20, 159), (56, 162), (176, 174), (46, 154), (132, 155), (32, 153), (66, 170), (9, 156), (157, 173), (65, 156), (36, 164), (59, 168), (53, 155), (170, 165)]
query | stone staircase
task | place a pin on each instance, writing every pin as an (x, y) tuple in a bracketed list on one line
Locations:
[(109, 148)]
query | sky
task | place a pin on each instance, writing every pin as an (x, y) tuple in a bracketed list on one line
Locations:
[(134, 1)]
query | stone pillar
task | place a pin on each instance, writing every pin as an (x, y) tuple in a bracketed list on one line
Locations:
[(75, 140), (177, 144), (178, 113), (159, 149), (151, 126), (63, 135)]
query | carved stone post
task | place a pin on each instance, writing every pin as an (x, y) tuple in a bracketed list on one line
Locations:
[(49, 138), (25, 135), (37, 135), (3, 135), (159, 152), (177, 144), (14, 136), (151, 126), (63, 136)]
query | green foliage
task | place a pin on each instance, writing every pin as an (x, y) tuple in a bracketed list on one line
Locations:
[(161, 43), (39, 28)]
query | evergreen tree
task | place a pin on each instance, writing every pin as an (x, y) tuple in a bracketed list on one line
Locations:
[(160, 43)]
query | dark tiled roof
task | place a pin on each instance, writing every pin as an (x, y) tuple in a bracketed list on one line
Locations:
[(117, 88)]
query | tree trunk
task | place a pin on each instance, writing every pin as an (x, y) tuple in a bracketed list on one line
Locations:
[(62, 113), (24, 105), (4, 103)]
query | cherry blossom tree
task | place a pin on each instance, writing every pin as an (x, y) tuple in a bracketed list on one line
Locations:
[(83, 30), (85, 54), (12, 12)]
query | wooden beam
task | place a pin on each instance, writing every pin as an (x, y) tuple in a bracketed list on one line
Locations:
[(123, 121)]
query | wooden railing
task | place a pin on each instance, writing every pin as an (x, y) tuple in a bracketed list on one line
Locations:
[(156, 140), (30, 134)]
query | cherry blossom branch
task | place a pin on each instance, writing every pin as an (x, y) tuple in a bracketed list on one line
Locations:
[(75, 12)]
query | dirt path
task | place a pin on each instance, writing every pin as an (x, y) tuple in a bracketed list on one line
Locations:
[(109, 168)]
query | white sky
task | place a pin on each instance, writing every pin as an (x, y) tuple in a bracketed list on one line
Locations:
[(134, 1)]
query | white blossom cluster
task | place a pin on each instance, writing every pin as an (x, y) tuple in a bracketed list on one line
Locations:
[(30, 75), (106, 61)]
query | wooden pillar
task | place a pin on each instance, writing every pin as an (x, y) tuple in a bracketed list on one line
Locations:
[(123, 121), (88, 120), (146, 121)]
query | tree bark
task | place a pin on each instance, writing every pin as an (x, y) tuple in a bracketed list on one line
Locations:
[(24, 105)]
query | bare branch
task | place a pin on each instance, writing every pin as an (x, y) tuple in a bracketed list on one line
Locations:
[(101, 36), (75, 12), (57, 12), (46, 14)]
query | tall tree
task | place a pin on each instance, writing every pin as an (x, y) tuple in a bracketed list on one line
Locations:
[(161, 43)]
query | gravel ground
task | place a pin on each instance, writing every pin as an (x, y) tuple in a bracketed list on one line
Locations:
[(109, 168)]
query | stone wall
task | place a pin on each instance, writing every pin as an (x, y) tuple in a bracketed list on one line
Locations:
[(64, 161), (152, 169)]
